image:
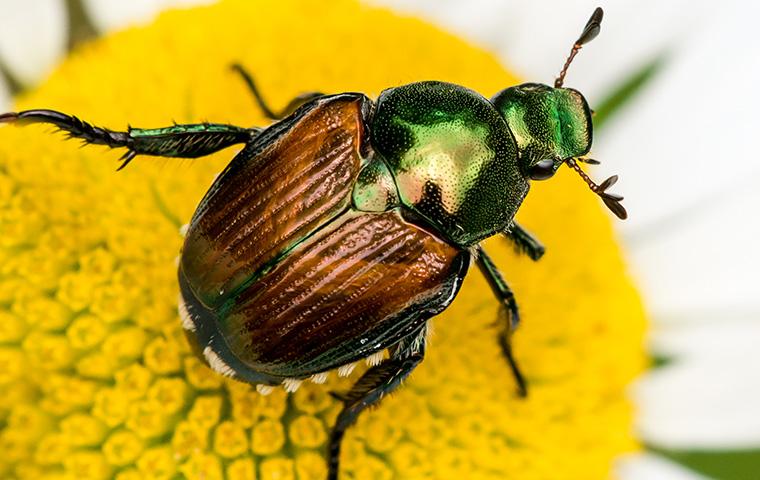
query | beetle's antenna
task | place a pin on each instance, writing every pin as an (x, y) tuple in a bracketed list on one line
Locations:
[(610, 199), (590, 31), (589, 161)]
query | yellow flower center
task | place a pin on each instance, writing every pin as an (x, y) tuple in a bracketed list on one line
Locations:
[(96, 376)]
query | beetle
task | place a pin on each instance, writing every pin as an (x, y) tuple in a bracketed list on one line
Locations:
[(339, 230)]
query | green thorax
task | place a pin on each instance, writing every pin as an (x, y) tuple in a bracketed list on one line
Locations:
[(548, 123), (452, 157)]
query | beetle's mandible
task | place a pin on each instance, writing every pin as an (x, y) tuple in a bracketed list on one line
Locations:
[(338, 231)]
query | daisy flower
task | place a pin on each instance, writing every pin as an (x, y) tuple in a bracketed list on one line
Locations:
[(96, 364)]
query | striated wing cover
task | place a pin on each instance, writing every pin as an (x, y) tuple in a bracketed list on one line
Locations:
[(295, 177), (353, 288)]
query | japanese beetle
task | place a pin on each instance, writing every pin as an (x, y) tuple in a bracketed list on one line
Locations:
[(338, 231)]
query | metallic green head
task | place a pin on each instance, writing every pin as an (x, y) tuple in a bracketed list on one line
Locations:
[(550, 125)]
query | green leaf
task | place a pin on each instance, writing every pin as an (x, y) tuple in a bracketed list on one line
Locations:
[(659, 361), (720, 465), (627, 90)]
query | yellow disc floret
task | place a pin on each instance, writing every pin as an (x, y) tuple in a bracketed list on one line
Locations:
[(97, 378)]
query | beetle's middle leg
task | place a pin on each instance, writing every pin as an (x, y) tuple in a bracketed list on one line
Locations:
[(371, 388), (184, 141), (508, 311), (291, 107)]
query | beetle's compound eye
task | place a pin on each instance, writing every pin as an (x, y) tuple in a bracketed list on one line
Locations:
[(542, 170)]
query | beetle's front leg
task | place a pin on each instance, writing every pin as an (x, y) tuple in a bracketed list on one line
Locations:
[(184, 141), (508, 311), (370, 389), (525, 242)]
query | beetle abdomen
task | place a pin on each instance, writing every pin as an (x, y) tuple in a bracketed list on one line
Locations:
[(276, 192), (355, 287)]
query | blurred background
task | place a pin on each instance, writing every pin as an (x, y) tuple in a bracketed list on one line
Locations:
[(682, 144)]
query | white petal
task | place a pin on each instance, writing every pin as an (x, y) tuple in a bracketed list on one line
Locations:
[(707, 398), (114, 14), (687, 135), (632, 31), (646, 466), (481, 21), (703, 261), (534, 38), (682, 151), (733, 339), (32, 37), (701, 403)]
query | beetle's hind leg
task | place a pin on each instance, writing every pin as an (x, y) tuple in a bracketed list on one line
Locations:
[(371, 388), (291, 107), (508, 313), (184, 141)]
